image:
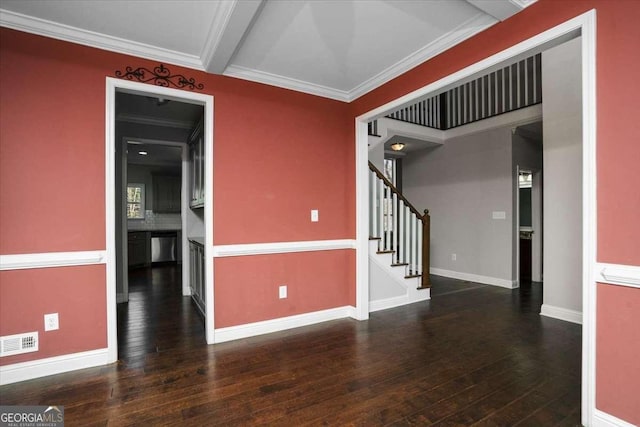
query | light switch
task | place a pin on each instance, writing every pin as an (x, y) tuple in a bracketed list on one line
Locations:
[(314, 215), (282, 291)]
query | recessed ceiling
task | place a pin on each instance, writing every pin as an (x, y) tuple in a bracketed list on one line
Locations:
[(335, 49)]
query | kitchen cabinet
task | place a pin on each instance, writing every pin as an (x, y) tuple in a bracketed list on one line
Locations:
[(197, 275), (139, 249), (166, 193), (197, 166)]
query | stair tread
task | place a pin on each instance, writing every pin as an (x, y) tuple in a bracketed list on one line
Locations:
[(423, 287), (402, 264), (386, 252), (411, 276), (375, 238)]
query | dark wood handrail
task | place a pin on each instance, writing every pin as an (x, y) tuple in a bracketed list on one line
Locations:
[(426, 228), (394, 189)]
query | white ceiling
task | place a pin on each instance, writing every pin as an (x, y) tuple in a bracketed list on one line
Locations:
[(336, 49)]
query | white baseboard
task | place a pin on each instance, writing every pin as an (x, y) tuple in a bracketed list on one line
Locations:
[(602, 419), (283, 323), (52, 365), (503, 283), (383, 304), (561, 313)]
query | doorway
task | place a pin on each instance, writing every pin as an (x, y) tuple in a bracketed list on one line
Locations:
[(152, 215), (584, 26), (122, 136)]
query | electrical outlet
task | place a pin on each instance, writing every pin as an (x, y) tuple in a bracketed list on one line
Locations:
[(51, 322), (282, 291), (453, 257), (314, 215)]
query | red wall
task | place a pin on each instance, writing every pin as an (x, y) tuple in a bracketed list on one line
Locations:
[(618, 338), (265, 273), (277, 155), (77, 294), (618, 157)]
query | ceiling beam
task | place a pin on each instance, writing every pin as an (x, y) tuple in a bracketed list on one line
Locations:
[(232, 21), (500, 9)]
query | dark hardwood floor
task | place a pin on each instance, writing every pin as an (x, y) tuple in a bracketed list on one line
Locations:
[(473, 355)]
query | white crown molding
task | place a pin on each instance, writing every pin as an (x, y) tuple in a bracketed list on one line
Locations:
[(52, 365), (42, 27), (618, 274), (283, 323), (51, 259), (560, 313), (264, 77), (220, 251), (154, 121), (464, 31)]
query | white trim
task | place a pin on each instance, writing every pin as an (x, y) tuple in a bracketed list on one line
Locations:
[(51, 259), (267, 78), (52, 365), (487, 280), (383, 304), (602, 419), (467, 29), (585, 25), (565, 314), (617, 274), (220, 21), (231, 21), (220, 251), (283, 323), (43, 27), (362, 220), (113, 84)]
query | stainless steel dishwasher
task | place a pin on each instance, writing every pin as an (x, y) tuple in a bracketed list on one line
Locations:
[(163, 246)]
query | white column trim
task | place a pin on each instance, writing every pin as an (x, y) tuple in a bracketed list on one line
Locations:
[(221, 251), (618, 274), (51, 259)]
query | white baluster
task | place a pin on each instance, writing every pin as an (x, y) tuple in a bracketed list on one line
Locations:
[(387, 225), (401, 232), (419, 233), (394, 226), (380, 209), (407, 236), (373, 214)]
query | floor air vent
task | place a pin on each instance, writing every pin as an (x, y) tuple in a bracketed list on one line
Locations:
[(18, 344)]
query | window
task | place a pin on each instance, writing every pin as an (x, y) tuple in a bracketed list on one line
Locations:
[(135, 201)]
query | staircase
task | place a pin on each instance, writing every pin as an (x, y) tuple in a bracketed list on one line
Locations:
[(398, 246)]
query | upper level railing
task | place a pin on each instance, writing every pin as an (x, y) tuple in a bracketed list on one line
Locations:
[(402, 230), (509, 88)]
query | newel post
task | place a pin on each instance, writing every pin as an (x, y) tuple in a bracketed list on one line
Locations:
[(426, 243)]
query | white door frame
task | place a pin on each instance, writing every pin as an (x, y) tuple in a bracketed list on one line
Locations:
[(584, 25), (113, 85)]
